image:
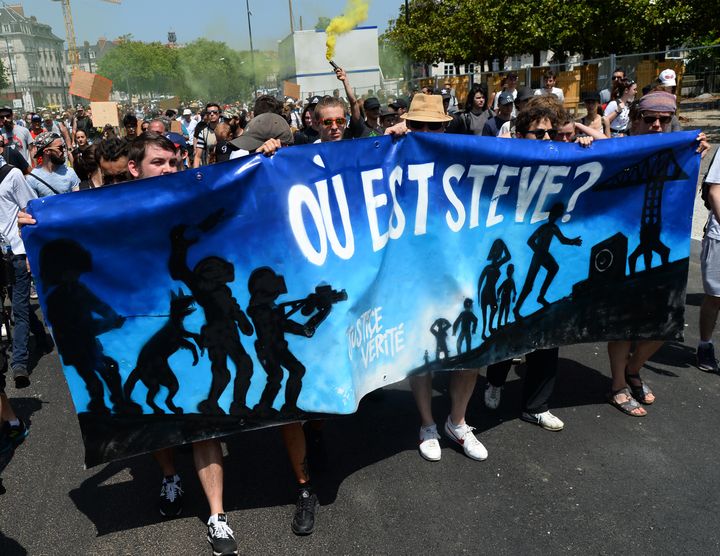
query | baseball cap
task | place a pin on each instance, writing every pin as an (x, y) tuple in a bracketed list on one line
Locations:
[(36, 118), (177, 140), (5, 110), (371, 103), (524, 93), (667, 78), (505, 98), (79, 107), (260, 129), (399, 103), (315, 99), (187, 112), (43, 140)]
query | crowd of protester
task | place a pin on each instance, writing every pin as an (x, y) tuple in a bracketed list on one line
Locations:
[(46, 154)]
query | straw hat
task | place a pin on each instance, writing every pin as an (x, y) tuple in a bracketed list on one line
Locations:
[(426, 108)]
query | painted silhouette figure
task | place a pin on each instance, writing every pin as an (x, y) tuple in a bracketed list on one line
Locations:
[(467, 322), (272, 321), (439, 329), (487, 284), (223, 316), (78, 317), (152, 366), (507, 294), (540, 242)]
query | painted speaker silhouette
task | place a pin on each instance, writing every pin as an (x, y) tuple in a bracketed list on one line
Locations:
[(608, 259)]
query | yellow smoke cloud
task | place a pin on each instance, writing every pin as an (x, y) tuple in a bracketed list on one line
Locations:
[(356, 12)]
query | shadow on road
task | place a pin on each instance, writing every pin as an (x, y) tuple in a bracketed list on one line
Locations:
[(10, 547)]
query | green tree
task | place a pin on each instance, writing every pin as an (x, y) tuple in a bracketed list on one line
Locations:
[(392, 61), (462, 31)]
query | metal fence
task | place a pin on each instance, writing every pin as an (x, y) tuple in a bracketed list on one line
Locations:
[(698, 70)]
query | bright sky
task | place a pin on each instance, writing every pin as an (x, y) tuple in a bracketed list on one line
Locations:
[(225, 20)]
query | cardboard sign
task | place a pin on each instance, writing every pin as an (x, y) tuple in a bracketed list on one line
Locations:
[(172, 103), (105, 113), (91, 86), (291, 90), (176, 127)]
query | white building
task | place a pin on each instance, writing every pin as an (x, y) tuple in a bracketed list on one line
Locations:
[(34, 59), (302, 61)]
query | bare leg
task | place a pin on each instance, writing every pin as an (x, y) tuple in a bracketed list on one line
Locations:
[(462, 384), (6, 410), (209, 466), (166, 461), (421, 386), (294, 438), (708, 317), (619, 352)]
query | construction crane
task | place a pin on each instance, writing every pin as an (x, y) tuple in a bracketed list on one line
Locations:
[(73, 55)]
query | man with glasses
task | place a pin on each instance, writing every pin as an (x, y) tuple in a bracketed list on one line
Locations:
[(112, 157), (606, 94), (16, 137), (52, 176), (206, 140)]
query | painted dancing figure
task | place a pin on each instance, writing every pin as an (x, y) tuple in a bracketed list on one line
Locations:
[(439, 329), (539, 242), (208, 283)]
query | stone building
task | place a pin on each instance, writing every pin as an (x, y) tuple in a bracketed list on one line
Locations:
[(34, 59)]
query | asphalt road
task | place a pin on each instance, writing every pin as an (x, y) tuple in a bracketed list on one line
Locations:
[(606, 484)]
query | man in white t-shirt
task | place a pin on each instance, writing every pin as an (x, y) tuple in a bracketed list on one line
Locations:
[(549, 79), (710, 265)]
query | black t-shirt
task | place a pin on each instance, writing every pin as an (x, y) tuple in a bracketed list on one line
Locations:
[(306, 136), (223, 150)]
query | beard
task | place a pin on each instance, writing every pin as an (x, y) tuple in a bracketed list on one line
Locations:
[(57, 160)]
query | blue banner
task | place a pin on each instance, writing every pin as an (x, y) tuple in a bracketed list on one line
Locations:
[(262, 290)]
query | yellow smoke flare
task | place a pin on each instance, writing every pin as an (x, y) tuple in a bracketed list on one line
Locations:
[(356, 12)]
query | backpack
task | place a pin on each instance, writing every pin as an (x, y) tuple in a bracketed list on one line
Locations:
[(4, 171)]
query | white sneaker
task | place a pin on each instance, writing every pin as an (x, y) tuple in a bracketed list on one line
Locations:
[(429, 445), (463, 435), (546, 420), (492, 396)]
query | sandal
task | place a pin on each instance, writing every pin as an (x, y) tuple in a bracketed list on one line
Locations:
[(628, 406), (641, 392)]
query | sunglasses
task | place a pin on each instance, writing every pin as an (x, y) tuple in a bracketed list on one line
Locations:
[(213, 111), (109, 179), (615, 77), (417, 126), (651, 119), (540, 133), (340, 122)]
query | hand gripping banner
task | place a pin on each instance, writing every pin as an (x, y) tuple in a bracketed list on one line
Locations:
[(262, 290)]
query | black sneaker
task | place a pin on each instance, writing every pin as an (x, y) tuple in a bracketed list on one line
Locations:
[(11, 436), (706, 358), (220, 536), (303, 522), (171, 493), (21, 377)]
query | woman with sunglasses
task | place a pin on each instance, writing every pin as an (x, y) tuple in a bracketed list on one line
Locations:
[(427, 114), (651, 114), (618, 110)]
